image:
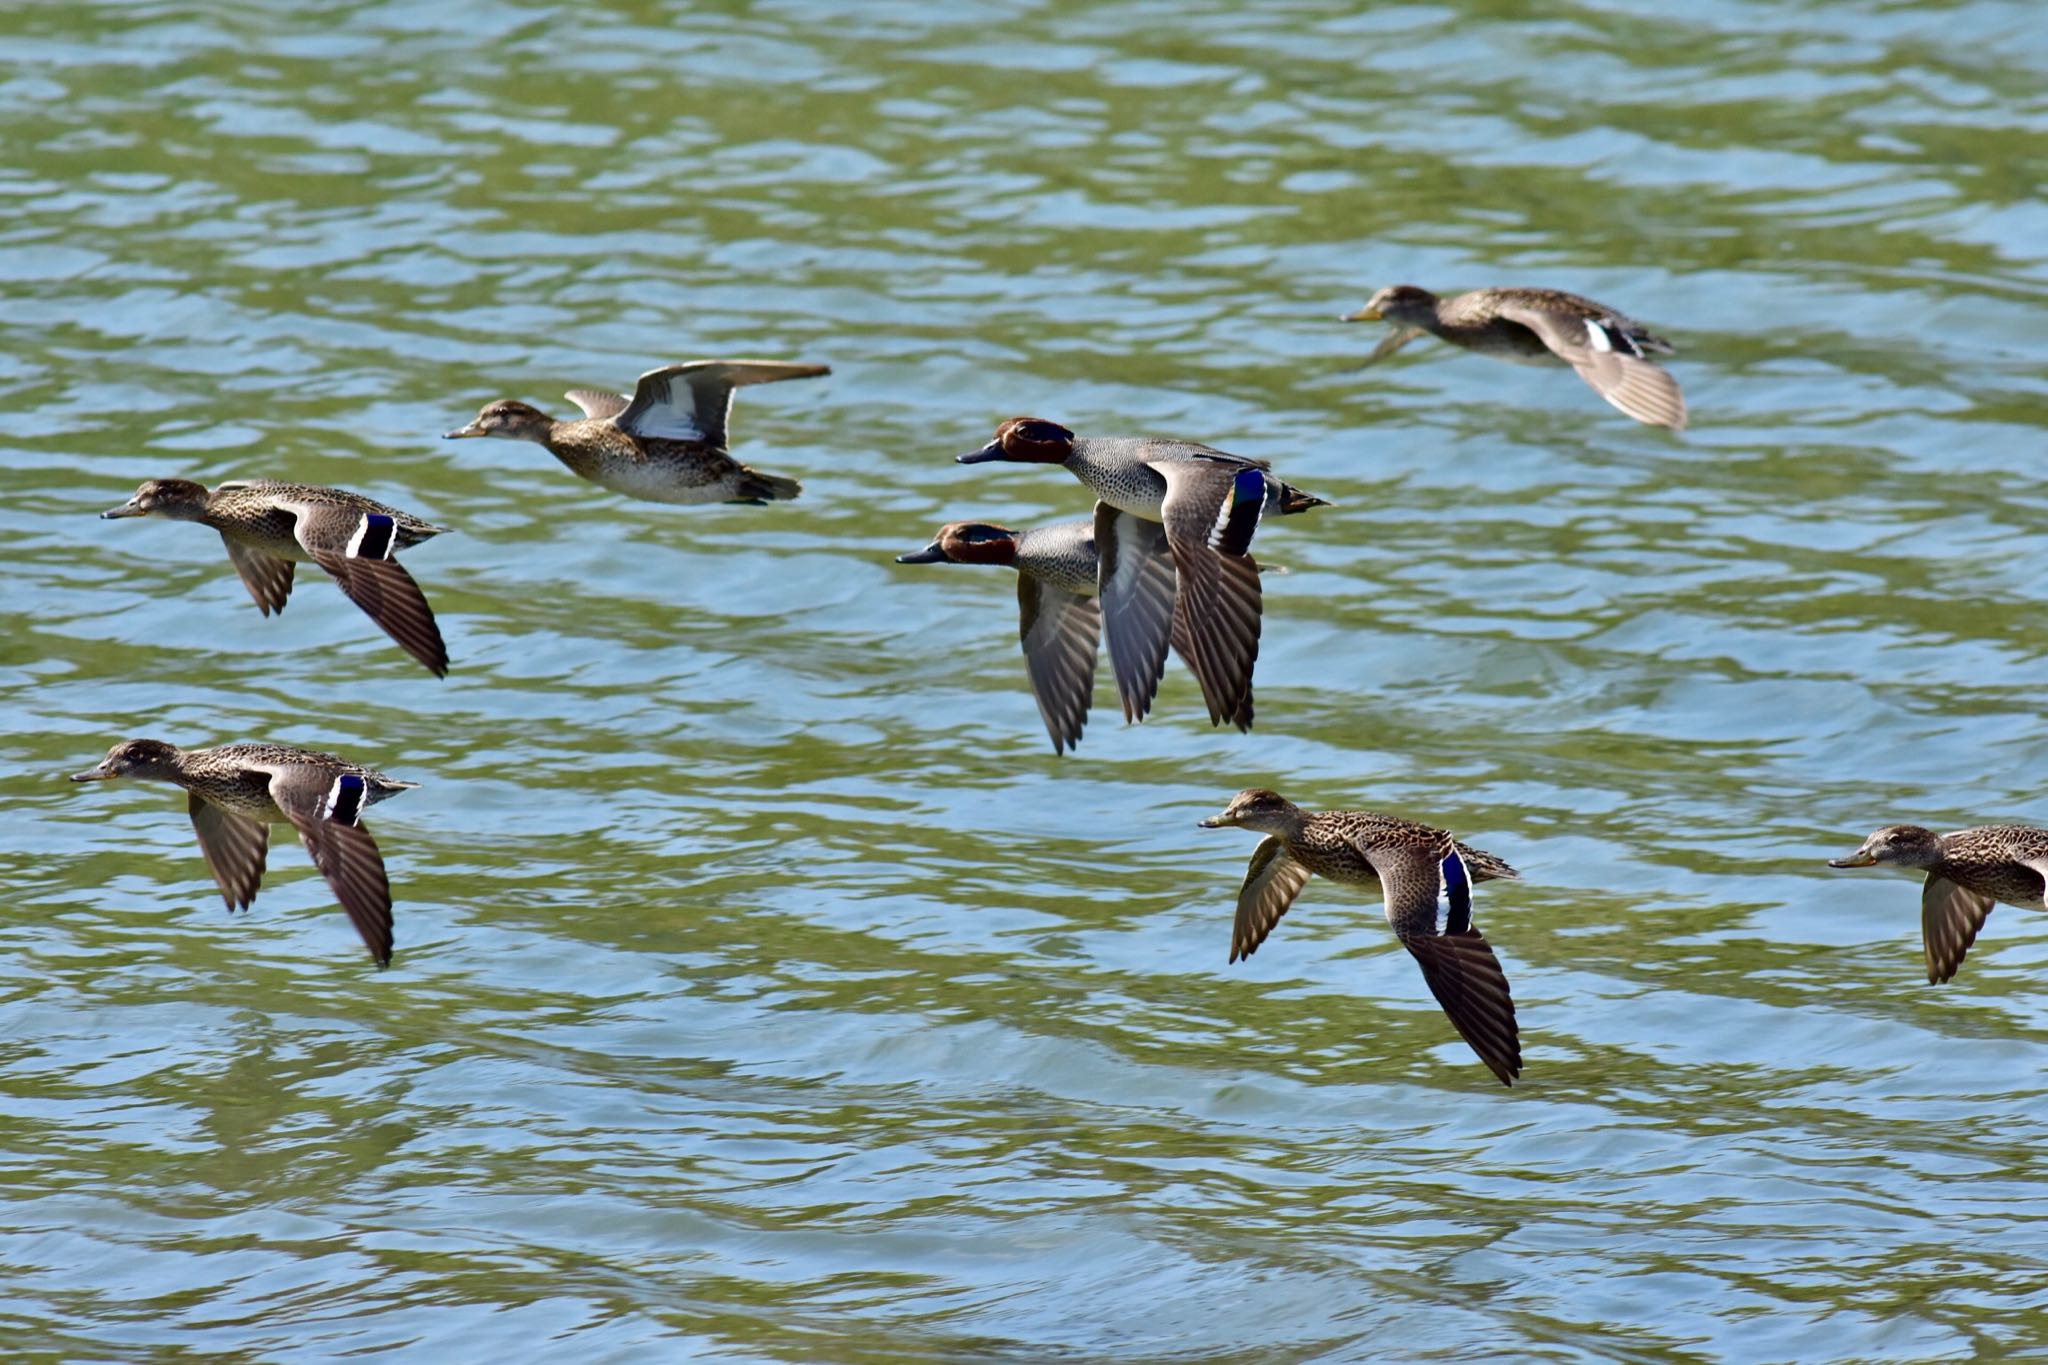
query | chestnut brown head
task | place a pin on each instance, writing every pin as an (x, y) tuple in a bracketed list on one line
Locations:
[(967, 542), (1025, 440)]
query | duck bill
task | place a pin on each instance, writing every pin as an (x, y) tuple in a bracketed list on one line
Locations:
[(1222, 821), (930, 554), (473, 429), (126, 509), (97, 773), (1366, 314), (1857, 859), (992, 451)]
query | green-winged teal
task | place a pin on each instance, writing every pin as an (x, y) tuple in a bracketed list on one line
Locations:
[(667, 443), (1065, 598), (1426, 877), (1545, 326), (1210, 503), (237, 791), (267, 527), (1968, 872)]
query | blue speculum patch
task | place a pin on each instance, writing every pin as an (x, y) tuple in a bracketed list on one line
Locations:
[(375, 536), (1458, 892), (345, 799), (1241, 513)]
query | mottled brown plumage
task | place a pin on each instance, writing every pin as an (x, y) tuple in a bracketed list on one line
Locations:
[(236, 791), (1968, 872), (1543, 326), (1425, 878), (268, 526)]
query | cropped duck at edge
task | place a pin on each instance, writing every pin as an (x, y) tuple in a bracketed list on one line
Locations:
[(1968, 873), (667, 443)]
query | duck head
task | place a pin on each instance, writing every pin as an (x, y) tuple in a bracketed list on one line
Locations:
[(508, 419), (178, 499), (1406, 303), (133, 758), (1025, 440), (1268, 812), (967, 542), (1895, 846)]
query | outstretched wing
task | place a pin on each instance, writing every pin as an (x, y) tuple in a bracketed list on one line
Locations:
[(324, 807), (1429, 902), (268, 578), (1397, 336), (1271, 882), (598, 404), (1136, 585), (1606, 354), (1950, 917), (235, 847), (1059, 631), (382, 588), (1219, 590), (355, 548), (692, 401)]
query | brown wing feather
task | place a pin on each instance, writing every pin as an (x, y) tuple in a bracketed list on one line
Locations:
[(345, 854), (1458, 965), (597, 404), (1639, 388), (1219, 593), (1950, 917), (1396, 337), (1059, 632), (268, 578), (1271, 882), (1467, 980), (1137, 588), (388, 594), (235, 847)]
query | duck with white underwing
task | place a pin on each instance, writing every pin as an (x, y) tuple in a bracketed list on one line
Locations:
[(1210, 503), (667, 443), (269, 526)]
